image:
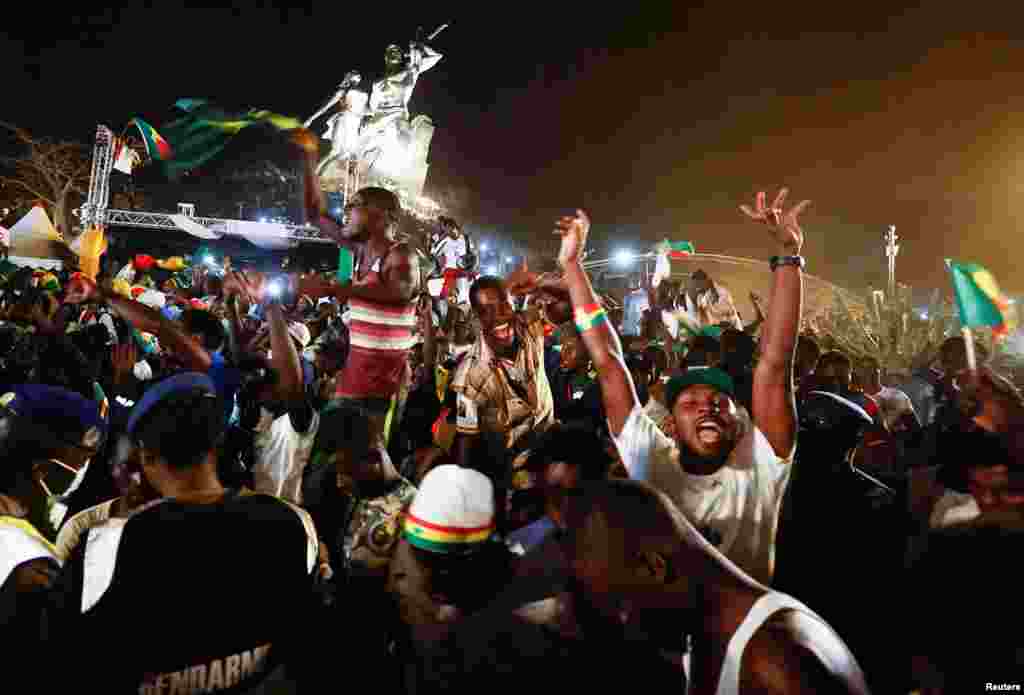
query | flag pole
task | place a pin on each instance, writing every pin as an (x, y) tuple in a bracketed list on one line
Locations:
[(972, 360), (965, 331)]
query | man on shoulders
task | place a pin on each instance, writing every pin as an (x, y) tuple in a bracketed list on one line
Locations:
[(380, 296), (715, 305)]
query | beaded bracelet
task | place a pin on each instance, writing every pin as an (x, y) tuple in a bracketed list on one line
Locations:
[(589, 317)]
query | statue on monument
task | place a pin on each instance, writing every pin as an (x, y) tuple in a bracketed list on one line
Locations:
[(375, 130), (342, 127)]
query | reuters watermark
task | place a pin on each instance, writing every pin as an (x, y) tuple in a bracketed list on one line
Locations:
[(1002, 687)]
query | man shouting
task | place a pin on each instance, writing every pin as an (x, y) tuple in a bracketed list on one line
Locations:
[(728, 485)]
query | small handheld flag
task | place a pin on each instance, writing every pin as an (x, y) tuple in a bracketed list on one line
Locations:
[(980, 303), (677, 249), (156, 147), (666, 250), (979, 299)]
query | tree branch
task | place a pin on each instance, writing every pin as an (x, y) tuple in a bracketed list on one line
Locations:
[(25, 186), (22, 134)]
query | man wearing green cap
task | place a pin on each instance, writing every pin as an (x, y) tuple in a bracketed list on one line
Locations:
[(728, 485)]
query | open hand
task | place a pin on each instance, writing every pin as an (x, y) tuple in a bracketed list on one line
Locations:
[(784, 226), (521, 281), (574, 231)]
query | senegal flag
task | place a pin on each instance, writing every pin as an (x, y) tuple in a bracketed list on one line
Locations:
[(205, 130), (667, 251), (676, 249), (979, 300), (156, 146)]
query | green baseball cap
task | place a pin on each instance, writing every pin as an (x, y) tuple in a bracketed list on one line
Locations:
[(708, 376)]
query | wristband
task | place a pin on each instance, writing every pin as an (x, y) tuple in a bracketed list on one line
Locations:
[(586, 321), (777, 261)]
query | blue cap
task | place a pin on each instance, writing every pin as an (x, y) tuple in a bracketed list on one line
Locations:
[(79, 420), (179, 383)]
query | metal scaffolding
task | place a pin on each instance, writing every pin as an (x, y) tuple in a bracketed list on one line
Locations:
[(95, 213), (162, 220)]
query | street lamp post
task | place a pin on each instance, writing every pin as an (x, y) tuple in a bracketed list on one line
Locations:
[(892, 249)]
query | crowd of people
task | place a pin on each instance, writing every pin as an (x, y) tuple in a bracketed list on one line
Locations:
[(264, 483)]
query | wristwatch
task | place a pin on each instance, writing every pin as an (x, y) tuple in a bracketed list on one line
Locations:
[(777, 261)]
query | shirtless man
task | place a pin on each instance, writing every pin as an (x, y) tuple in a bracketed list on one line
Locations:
[(638, 567)]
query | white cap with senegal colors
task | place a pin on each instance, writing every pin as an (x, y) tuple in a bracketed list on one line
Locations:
[(452, 513)]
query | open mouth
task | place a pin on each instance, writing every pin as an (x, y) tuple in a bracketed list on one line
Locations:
[(710, 432), (503, 332)]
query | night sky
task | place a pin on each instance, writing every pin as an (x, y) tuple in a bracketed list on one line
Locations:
[(659, 122)]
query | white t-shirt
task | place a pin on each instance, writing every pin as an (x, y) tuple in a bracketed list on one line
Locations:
[(656, 410), (18, 546), (682, 318), (954, 508), (736, 507), (894, 404), (451, 250), (282, 455)]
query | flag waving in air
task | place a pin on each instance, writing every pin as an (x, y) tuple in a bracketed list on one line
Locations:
[(156, 146), (205, 130), (670, 250), (677, 249), (979, 300)]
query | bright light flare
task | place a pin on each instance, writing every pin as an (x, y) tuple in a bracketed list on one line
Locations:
[(623, 257)]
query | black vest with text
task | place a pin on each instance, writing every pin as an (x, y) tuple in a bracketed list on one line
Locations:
[(189, 598)]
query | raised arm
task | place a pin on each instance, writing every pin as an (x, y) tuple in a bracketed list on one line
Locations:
[(314, 206), (290, 386), (81, 289), (774, 405), (602, 342)]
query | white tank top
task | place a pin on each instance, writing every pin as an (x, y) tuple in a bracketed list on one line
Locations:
[(762, 610), (19, 543)]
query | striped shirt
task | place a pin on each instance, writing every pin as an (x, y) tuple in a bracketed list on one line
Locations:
[(380, 336)]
